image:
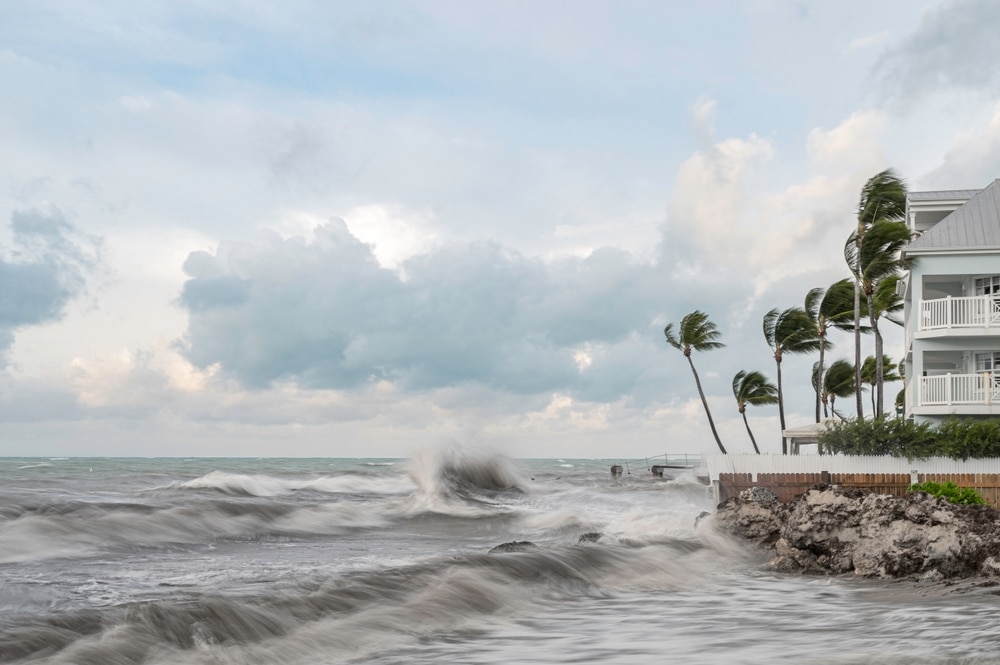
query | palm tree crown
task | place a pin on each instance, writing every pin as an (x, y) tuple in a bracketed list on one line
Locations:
[(838, 382), (752, 388), (696, 332)]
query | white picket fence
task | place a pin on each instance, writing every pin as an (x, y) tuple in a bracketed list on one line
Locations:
[(754, 464)]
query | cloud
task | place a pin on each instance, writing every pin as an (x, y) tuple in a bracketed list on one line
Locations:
[(43, 268), (703, 119), (973, 158), (954, 47), (324, 313), (851, 145)]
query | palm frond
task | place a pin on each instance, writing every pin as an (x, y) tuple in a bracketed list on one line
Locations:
[(882, 197)]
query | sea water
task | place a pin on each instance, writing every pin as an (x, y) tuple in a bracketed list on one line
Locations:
[(109, 561)]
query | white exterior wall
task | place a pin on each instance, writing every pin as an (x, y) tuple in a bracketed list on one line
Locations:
[(965, 267)]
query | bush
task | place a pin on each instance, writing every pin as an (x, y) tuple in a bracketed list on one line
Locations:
[(962, 439), (955, 438), (950, 491), (880, 436)]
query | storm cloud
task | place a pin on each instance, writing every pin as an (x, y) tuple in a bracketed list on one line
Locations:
[(41, 270), (954, 47)]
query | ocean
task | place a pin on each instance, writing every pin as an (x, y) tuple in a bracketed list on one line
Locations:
[(108, 561)]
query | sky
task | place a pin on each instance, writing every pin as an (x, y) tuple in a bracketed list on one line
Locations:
[(370, 228)]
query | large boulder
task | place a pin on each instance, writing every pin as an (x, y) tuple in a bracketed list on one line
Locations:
[(832, 530)]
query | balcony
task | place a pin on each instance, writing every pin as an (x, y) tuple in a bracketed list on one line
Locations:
[(950, 313), (958, 389)]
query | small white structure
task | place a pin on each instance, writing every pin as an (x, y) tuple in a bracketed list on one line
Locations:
[(951, 298), (795, 437)]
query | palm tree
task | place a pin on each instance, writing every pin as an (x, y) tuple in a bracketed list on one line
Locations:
[(828, 308), (837, 382), (869, 374), (883, 197), (790, 331), (875, 263), (696, 333), (752, 388)]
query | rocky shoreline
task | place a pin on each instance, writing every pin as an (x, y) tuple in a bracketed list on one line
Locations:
[(831, 530)]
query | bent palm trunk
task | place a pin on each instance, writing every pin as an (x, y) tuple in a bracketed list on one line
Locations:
[(704, 402)]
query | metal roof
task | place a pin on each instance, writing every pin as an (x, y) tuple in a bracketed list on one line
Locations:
[(943, 194), (973, 225)]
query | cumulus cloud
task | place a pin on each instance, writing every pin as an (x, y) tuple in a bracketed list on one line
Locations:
[(954, 47), (713, 196), (324, 313), (41, 270)]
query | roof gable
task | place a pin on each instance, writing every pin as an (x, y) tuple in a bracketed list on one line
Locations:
[(976, 224)]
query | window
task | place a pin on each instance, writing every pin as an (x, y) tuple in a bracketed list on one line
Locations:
[(987, 285), (988, 362)]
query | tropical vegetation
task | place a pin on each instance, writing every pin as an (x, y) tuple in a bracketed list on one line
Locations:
[(696, 332), (827, 308), (788, 332), (838, 381), (950, 492), (883, 199), (752, 388), (869, 376), (955, 438), (875, 261), (859, 304)]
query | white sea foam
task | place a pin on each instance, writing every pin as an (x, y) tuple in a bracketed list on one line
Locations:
[(270, 486), (461, 482)]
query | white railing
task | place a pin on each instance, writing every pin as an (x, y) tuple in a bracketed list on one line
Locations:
[(982, 388), (968, 312)]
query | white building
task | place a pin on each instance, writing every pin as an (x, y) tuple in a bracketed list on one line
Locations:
[(951, 301)]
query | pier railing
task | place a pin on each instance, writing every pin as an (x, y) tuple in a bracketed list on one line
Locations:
[(656, 464)]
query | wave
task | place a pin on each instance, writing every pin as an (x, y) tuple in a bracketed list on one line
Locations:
[(238, 484), (77, 528), (463, 482), (348, 617), (258, 507)]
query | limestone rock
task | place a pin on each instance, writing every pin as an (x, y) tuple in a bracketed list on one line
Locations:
[(832, 530), (759, 494)]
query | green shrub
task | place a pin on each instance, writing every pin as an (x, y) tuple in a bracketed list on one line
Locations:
[(950, 491), (880, 436), (962, 439), (955, 438)]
